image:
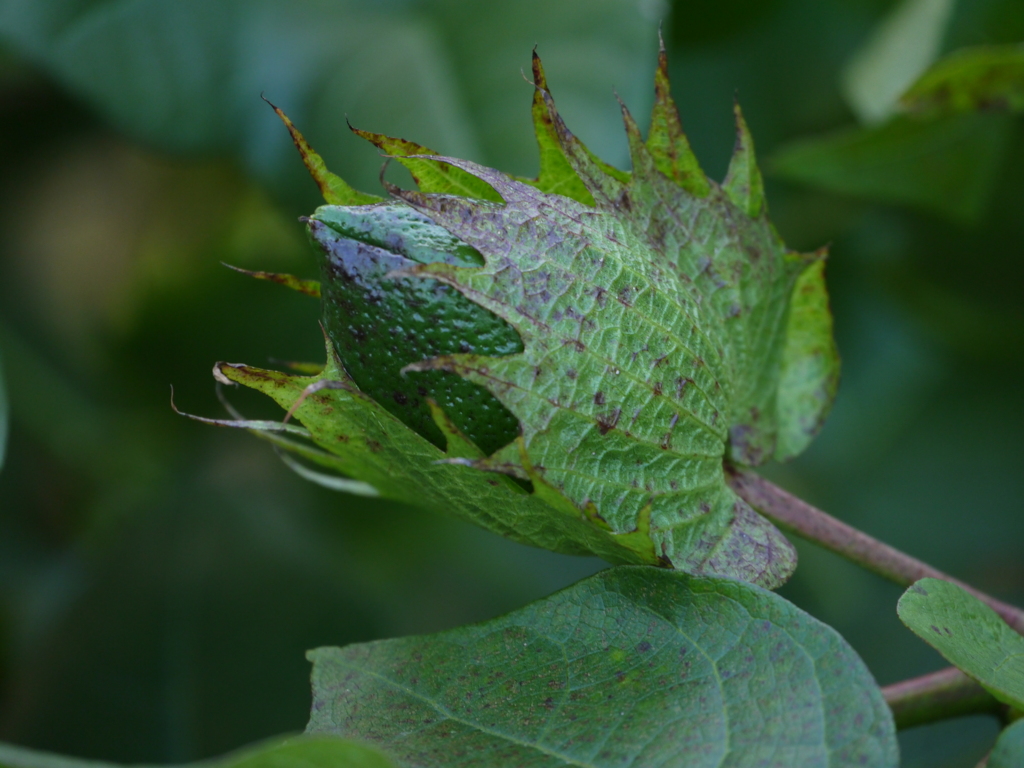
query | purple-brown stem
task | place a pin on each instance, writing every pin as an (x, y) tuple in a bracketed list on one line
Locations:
[(797, 516), (937, 696)]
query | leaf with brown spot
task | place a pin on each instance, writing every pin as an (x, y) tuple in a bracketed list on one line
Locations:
[(320, 751), (981, 78), (971, 636), (631, 667)]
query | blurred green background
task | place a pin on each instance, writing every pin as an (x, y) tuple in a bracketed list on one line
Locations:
[(160, 579)]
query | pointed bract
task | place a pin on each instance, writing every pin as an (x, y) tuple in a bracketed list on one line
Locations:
[(335, 190), (307, 287), (743, 183), (640, 157), (600, 180), (605, 184), (666, 141), (556, 175), (429, 175), (809, 376)]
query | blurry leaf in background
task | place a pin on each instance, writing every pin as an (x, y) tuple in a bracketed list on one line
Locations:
[(968, 634), (186, 76), (147, 226), (707, 22), (296, 752), (81, 433), (947, 165), (633, 666), (934, 161), (899, 49), (4, 413), (185, 636), (984, 78), (1009, 749)]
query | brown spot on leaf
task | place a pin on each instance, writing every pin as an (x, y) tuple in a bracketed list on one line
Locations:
[(606, 424), (666, 441), (599, 398)]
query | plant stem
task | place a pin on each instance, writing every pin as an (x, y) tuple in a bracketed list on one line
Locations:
[(797, 516), (939, 696)]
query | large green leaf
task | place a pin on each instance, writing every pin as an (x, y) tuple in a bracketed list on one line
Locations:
[(1009, 749), (989, 77), (633, 666), (297, 752), (969, 634)]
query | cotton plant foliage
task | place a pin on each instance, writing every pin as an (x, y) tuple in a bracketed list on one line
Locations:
[(567, 360)]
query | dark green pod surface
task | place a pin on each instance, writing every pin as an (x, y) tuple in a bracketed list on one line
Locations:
[(379, 325)]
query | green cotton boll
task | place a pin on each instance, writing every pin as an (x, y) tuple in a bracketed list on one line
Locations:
[(569, 361), (380, 324)]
